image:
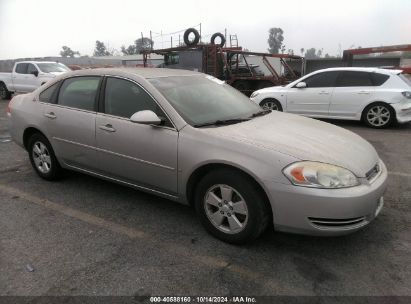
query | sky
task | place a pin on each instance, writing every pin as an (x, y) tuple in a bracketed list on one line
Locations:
[(35, 28)]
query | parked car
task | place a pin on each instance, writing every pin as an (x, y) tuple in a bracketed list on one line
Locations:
[(28, 76), (378, 97), (194, 139)]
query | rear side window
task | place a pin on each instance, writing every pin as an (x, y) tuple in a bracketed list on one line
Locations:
[(354, 79), (322, 80), (47, 94), (79, 92), (21, 68), (379, 79)]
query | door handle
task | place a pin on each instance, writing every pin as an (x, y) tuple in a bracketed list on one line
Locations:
[(50, 115), (324, 93), (108, 128), (364, 92)]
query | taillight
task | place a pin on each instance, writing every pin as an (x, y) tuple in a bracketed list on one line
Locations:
[(9, 107)]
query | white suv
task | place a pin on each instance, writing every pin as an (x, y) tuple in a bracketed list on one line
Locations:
[(376, 96)]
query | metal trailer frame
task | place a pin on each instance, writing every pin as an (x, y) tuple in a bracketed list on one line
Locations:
[(348, 55), (217, 61)]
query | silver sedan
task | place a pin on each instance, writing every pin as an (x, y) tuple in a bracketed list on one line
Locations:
[(193, 139)]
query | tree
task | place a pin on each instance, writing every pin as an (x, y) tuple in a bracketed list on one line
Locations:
[(68, 52), (275, 40), (143, 44), (101, 50), (139, 45), (290, 52), (302, 51), (130, 50), (311, 53)]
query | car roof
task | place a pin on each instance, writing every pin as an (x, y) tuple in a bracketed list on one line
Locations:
[(36, 62), (142, 72), (361, 69)]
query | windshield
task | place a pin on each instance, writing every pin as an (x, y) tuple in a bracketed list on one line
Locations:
[(406, 78), (52, 67), (204, 99)]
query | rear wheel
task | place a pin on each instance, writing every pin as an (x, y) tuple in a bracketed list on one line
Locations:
[(231, 207), (379, 115), (271, 104), (4, 93), (42, 158)]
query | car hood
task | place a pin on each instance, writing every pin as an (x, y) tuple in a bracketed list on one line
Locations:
[(52, 74), (272, 89), (305, 139)]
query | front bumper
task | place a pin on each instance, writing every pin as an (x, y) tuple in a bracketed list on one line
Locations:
[(326, 212), (403, 112)]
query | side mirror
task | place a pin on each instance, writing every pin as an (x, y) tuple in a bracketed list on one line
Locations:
[(301, 85), (35, 73), (146, 117)]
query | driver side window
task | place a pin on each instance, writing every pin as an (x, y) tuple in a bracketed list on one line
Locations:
[(124, 98), (322, 80)]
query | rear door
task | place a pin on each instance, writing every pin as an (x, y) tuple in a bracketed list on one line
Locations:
[(70, 121), (19, 77), (353, 91), (314, 100), (32, 81)]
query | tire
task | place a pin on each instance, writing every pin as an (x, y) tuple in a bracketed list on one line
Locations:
[(4, 93), (253, 219), (42, 158), (271, 104), (212, 41), (196, 37), (378, 115)]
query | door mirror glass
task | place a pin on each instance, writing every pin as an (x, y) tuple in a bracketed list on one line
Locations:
[(146, 117), (301, 85)]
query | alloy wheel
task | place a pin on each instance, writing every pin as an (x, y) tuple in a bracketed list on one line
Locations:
[(226, 209), (41, 157), (378, 116), (270, 105)]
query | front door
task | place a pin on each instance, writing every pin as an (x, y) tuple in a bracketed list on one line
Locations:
[(314, 99), (145, 155)]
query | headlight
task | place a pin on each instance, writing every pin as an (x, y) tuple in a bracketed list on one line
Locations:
[(406, 94), (320, 175), (254, 94)]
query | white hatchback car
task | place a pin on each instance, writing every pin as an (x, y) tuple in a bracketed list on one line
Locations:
[(378, 97)]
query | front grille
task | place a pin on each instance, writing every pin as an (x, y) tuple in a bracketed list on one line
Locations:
[(373, 172), (336, 223)]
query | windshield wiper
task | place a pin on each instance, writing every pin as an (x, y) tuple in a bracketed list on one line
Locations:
[(222, 122), (261, 113)]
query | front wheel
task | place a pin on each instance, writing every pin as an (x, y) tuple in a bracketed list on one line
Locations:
[(231, 207), (4, 93), (379, 115), (271, 104)]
